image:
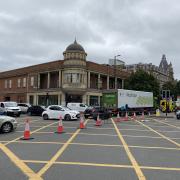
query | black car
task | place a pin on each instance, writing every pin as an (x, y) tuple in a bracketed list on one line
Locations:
[(89, 111), (35, 110), (103, 113)]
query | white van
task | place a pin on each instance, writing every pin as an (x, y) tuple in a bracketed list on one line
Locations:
[(10, 108), (77, 106)]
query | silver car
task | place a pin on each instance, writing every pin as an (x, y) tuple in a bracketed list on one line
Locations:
[(7, 124)]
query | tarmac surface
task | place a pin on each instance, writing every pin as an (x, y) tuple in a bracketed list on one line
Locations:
[(128, 150)]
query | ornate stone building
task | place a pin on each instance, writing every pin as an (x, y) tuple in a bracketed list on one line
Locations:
[(163, 72), (73, 79)]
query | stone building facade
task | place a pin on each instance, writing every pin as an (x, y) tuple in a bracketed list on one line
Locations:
[(73, 79), (163, 72)]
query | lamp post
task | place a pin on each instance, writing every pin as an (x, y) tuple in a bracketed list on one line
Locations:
[(115, 70)]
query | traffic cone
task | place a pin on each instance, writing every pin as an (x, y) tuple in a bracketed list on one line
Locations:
[(26, 135), (81, 125), (142, 117), (134, 116), (60, 128), (98, 121), (126, 117), (118, 119)]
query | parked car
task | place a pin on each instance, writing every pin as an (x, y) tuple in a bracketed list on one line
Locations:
[(10, 108), (89, 111), (103, 113), (7, 124), (35, 110), (24, 107), (77, 106), (178, 114), (54, 112)]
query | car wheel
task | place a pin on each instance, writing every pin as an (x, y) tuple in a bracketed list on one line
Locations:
[(45, 117), (7, 127), (67, 117)]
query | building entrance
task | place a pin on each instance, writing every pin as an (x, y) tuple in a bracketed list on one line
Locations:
[(73, 98)]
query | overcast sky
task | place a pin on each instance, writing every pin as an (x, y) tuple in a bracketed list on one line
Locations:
[(38, 31)]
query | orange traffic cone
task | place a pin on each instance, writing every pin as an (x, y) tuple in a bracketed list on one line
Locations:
[(126, 117), (27, 131), (118, 119), (134, 116), (98, 121), (81, 125), (60, 128)]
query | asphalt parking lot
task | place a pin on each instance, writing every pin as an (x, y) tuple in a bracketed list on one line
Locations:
[(128, 150)]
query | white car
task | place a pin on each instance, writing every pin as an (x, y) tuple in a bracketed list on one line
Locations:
[(24, 107), (55, 111), (77, 106), (7, 124)]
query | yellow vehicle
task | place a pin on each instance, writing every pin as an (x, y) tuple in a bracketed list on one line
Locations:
[(167, 105)]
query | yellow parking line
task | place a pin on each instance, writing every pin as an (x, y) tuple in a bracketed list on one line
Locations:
[(31, 133), (128, 152), (160, 168), (165, 137), (19, 163), (90, 144), (103, 165), (99, 134), (59, 153), (166, 124)]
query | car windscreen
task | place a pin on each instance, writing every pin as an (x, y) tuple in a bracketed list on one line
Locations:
[(10, 104)]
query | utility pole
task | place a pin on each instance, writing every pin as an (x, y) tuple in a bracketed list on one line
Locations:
[(115, 74)]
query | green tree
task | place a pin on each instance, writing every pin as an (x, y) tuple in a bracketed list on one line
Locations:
[(142, 81)]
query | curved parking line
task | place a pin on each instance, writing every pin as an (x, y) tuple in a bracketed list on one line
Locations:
[(59, 153), (19, 163), (129, 154)]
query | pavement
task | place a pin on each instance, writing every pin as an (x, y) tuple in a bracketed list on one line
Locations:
[(135, 149)]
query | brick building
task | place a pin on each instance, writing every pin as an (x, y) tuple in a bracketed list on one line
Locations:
[(72, 79), (164, 72)]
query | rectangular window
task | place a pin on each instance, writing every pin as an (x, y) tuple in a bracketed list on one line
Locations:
[(24, 82), (10, 83), (32, 81), (74, 78), (5, 84), (19, 83)]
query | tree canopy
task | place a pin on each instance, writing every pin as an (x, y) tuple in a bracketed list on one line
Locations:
[(142, 81)]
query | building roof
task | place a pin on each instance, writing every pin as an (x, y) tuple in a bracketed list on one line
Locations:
[(56, 65), (75, 47), (33, 69)]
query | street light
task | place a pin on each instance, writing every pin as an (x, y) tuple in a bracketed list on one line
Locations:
[(115, 69)]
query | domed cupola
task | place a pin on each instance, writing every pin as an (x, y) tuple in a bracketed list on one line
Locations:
[(75, 55), (75, 47)]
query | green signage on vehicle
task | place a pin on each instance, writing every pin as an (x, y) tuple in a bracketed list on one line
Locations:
[(109, 99)]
